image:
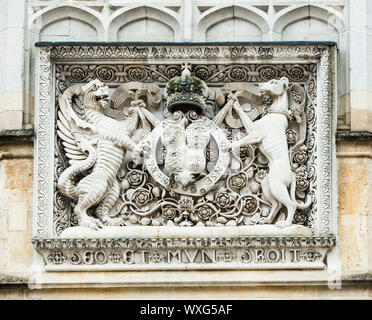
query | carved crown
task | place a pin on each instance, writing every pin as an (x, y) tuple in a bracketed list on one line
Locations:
[(186, 92)]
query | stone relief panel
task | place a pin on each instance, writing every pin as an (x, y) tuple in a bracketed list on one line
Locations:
[(189, 149), (241, 190)]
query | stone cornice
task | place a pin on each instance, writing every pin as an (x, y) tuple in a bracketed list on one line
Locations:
[(139, 50), (20, 135), (147, 44), (190, 243), (354, 136)]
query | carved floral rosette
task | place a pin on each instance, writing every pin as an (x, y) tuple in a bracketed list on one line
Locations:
[(237, 197)]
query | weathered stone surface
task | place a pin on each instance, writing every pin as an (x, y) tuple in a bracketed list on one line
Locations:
[(355, 204), (16, 177)]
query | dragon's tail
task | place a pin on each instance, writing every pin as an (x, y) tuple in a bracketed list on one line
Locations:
[(66, 183)]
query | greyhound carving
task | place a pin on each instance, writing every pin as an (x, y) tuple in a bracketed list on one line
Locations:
[(269, 133)]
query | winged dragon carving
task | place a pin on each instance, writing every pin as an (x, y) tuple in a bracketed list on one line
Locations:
[(95, 141)]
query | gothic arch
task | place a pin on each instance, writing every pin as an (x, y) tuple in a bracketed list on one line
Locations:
[(51, 15), (125, 16), (291, 15), (220, 14)]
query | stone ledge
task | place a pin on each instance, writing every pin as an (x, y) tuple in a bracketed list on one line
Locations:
[(175, 43), (354, 136), (179, 278), (364, 278), (240, 241), (8, 281), (21, 135)]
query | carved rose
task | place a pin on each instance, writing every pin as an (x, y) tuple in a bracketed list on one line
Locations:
[(268, 73), (223, 199), (173, 71), (237, 73), (296, 73), (250, 205), (260, 175), (302, 184), (136, 73), (202, 73), (244, 152), (105, 74), (238, 181), (78, 74), (291, 136), (136, 178), (141, 197), (205, 212), (300, 157), (299, 217), (168, 212)]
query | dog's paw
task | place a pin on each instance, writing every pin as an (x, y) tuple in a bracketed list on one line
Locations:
[(283, 224)]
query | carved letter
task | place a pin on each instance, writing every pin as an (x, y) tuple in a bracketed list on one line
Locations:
[(174, 254), (129, 256), (259, 255), (273, 255)]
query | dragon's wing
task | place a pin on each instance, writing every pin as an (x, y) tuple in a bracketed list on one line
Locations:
[(122, 94), (134, 91), (72, 129), (129, 96)]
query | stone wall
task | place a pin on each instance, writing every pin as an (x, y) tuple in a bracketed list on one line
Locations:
[(349, 23)]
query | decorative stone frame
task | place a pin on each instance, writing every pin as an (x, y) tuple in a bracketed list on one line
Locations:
[(215, 252)]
